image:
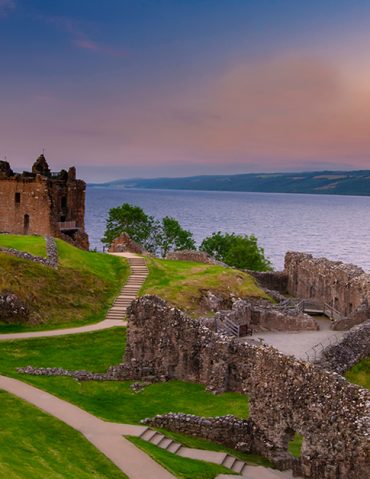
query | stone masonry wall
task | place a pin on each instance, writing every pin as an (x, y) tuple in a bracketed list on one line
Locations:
[(286, 395), (34, 201), (37, 202), (354, 346), (345, 287), (274, 280)]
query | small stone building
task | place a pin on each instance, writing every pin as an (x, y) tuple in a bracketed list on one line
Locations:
[(42, 202)]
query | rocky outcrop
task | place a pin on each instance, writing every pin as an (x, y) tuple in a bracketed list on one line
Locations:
[(286, 395), (12, 309)]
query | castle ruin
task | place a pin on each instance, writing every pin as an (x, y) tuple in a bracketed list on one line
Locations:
[(42, 202)]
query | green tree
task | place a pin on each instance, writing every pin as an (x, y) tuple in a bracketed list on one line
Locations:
[(172, 237), (132, 220), (240, 251), (156, 237)]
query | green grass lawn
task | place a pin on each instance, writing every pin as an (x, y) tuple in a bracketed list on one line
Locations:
[(295, 445), (35, 245), (360, 373), (110, 400), (34, 445), (180, 466), (181, 283), (80, 291)]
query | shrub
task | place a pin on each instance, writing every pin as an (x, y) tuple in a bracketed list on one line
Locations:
[(240, 251)]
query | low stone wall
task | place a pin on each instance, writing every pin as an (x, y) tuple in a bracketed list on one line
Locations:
[(239, 434), (286, 395), (353, 347), (51, 251), (265, 316), (193, 255), (274, 280)]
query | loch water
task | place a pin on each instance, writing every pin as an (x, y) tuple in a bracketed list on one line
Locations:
[(336, 227)]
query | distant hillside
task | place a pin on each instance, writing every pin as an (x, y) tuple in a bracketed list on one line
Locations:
[(318, 182)]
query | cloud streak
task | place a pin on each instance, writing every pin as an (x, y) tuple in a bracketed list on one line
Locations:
[(80, 39)]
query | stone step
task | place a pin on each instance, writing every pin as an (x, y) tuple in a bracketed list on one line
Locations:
[(174, 447), (229, 461), (238, 466), (148, 434), (166, 441), (157, 438)]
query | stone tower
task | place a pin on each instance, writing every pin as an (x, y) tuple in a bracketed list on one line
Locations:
[(42, 202)]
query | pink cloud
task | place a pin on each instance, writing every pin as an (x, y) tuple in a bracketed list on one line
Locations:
[(87, 43)]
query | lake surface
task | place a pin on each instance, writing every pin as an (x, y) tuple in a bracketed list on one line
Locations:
[(337, 227)]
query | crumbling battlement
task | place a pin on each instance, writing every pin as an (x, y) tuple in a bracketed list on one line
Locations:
[(344, 287), (42, 202), (286, 395)]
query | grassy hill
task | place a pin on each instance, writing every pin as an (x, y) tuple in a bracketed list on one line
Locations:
[(78, 292), (34, 445), (182, 283), (317, 182)]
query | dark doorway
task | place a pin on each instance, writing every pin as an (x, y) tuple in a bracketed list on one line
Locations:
[(64, 202), (17, 198), (26, 224)]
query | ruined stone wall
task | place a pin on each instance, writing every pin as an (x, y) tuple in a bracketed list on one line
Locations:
[(33, 200), (352, 348), (265, 316), (124, 243), (274, 280), (35, 203), (192, 255), (286, 395), (343, 286)]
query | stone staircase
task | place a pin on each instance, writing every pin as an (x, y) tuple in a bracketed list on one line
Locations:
[(129, 292), (221, 458)]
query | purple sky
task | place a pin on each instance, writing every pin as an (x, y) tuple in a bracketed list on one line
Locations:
[(127, 88)]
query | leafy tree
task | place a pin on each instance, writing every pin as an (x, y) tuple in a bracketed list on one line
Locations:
[(156, 237), (236, 250), (133, 221), (173, 237)]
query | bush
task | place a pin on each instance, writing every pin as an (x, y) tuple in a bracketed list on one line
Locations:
[(236, 250)]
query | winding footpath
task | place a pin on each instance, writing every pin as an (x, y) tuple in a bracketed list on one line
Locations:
[(108, 437)]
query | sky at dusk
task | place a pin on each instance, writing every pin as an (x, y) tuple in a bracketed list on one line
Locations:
[(146, 88)]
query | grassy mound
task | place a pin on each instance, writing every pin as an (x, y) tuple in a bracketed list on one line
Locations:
[(34, 445), (78, 292), (360, 373), (35, 245), (181, 283)]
